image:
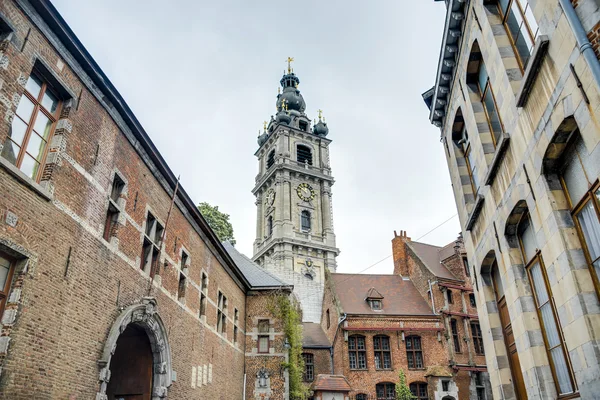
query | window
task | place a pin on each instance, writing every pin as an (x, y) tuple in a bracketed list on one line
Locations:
[(32, 127), (303, 125), (445, 386), (521, 26), (465, 146), (357, 352), (236, 321), (477, 338), (304, 155), (542, 294), (472, 300), (181, 287), (375, 305), (383, 355), (309, 367), (449, 296), (112, 214), (385, 391), (361, 396), (466, 265), (6, 271), (263, 336), (271, 159), (455, 338), (269, 226), (584, 201), (328, 320), (221, 314), (184, 260), (305, 220), (203, 293), (419, 390), (151, 246), (479, 385), (414, 352)]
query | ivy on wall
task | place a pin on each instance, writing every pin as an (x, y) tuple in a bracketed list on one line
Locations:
[(402, 390)]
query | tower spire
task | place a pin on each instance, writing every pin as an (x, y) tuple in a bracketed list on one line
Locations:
[(289, 61)]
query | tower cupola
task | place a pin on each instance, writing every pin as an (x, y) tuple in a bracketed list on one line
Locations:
[(290, 97)]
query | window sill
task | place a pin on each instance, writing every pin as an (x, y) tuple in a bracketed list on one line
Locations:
[(359, 369), (475, 213), (27, 181), (533, 67), (498, 157)]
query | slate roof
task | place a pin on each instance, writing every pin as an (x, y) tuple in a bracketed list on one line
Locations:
[(432, 258), (257, 276), (313, 336), (331, 383), (400, 297)]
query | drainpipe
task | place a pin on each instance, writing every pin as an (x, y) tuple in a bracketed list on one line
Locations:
[(333, 343), (585, 47)]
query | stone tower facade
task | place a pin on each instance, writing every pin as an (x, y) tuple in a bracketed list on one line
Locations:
[(294, 221)]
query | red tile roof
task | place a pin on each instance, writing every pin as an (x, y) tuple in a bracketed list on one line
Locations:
[(400, 296), (313, 336), (431, 257), (331, 383)]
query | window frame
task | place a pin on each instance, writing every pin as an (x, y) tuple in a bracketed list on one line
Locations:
[(151, 243), (413, 351), (270, 161), (221, 313), (467, 150), (308, 156), (263, 334), (477, 338), (483, 94), (357, 352), (203, 294), (537, 259), (305, 221), (309, 367), (417, 388), (381, 352), (526, 23), (5, 291), (455, 335), (389, 389), (361, 396), (37, 107)]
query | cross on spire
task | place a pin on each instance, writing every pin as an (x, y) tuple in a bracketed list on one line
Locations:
[(289, 61)]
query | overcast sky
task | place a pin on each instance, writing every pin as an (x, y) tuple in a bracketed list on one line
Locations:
[(201, 76)]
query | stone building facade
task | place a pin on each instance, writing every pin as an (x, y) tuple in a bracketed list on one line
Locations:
[(113, 284), (517, 100), (294, 224)]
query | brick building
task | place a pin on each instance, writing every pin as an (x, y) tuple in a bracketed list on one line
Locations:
[(112, 284), (517, 97)]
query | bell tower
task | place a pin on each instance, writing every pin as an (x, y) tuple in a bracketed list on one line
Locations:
[(294, 222)]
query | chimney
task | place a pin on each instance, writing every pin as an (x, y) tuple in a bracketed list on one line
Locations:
[(399, 254)]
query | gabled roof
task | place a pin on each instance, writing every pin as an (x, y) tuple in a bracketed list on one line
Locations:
[(313, 336), (331, 383), (373, 294), (257, 276), (431, 256), (401, 297)]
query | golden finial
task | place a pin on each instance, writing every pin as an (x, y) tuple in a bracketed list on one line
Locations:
[(265, 125), (320, 113), (289, 61)]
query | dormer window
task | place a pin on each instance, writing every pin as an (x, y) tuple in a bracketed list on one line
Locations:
[(374, 299), (375, 305)]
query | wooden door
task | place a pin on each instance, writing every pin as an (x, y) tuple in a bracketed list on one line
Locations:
[(511, 348)]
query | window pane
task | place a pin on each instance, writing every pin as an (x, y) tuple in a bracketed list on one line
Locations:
[(29, 166), (588, 220), (17, 130), (504, 5), (50, 102), (263, 344), (482, 77), (385, 343), (376, 342), (562, 371), (550, 325), (387, 361), (42, 125), (25, 108), (4, 268), (417, 343), (530, 18), (492, 113), (419, 359), (361, 343), (362, 361), (410, 360), (378, 360), (36, 146), (352, 358), (541, 294), (527, 237), (10, 151), (34, 85), (351, 343), (573, 174)]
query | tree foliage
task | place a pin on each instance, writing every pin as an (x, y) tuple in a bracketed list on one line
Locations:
[(218, 221), (402, 390)]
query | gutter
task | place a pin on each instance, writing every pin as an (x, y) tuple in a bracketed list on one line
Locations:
[(585, 47)]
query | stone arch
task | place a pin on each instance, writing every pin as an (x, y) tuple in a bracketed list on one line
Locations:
[(507, 53), (144, 315), (481, 119)]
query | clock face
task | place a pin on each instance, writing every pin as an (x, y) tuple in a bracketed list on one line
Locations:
[(305, 192), (270, 197)]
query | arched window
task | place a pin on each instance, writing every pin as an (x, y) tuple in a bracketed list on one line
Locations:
[(385, 391), (414, 352), (271, 159), (270, 225), (383, 354), (449, 296), (542, 294), (460, 137), (309, 367), (479, 80), (304, 155), (419, 390), (305, 220), (357, 352), (361, 396), (521, 26), (455, 337)]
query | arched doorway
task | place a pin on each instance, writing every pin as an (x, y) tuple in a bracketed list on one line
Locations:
[(131, 366), (136, 361)]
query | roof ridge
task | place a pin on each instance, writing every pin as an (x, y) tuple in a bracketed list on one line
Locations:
[(259, 267)]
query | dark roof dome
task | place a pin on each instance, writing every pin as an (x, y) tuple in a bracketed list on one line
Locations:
[(320, 128), (291, 95), (283, 117)]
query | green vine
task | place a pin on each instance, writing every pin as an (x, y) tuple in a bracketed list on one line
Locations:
[(290, 315), (402, 390)]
